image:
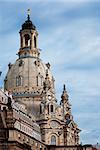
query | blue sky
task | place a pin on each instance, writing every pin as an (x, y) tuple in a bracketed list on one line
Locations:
[(69, 36)]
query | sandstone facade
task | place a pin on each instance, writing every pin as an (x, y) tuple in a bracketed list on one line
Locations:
[(32, 118)]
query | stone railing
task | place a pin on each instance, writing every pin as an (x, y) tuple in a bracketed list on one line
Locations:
[(76, 147)]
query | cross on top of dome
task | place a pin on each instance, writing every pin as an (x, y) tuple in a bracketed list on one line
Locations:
[(28, 23), (28, 14)]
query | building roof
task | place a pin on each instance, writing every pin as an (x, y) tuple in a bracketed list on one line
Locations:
[(28, 24)]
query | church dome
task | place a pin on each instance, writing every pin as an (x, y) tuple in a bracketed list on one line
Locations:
[(31, 100), (25, 80), (29, 78), (27, 75)]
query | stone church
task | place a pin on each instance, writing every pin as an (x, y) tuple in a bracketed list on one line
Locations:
[(30, 116)]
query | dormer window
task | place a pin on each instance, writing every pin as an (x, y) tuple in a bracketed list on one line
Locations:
[(20, 63)]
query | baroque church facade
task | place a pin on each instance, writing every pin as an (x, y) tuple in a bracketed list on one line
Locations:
[(30, 116)]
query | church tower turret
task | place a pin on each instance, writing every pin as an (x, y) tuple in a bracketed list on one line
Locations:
[(65, 102), (26, 77), (28, 39)]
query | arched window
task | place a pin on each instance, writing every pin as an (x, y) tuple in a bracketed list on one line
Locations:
[(27, 40), (39, 81), (19, 81), (53, 140), (34, 41), (41, 108), (40, 147)]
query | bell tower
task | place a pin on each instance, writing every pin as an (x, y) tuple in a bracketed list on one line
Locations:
[(28, 39)]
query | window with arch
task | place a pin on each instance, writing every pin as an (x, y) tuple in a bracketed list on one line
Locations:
[(39, 79), (19, 81), (34, 41), (41, 108), (27, 40), (40, 147), (53, 140)]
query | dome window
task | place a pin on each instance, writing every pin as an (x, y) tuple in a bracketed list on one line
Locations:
[(20, 63), (40, 109), (19, 81), (39, 79)]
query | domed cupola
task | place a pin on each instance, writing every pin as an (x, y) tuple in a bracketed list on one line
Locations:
[(26, 77), (28, 40), (28, 24)]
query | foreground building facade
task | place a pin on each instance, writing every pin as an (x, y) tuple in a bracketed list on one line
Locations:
[(30, 116)]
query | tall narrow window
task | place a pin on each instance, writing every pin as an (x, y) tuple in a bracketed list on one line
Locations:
[(19, 81), (51, 108), (34, 41), (48, 109), (53, 140), (27, 40), (16, 81), (40, 109), (39, 80)]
